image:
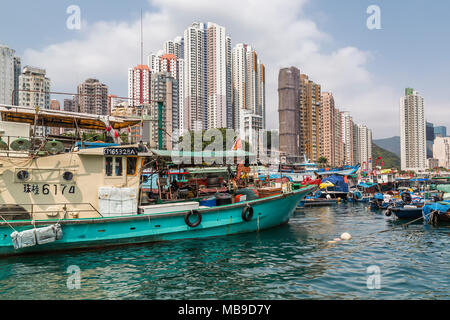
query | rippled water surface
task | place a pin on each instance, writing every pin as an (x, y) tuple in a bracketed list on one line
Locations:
[(294, 261)]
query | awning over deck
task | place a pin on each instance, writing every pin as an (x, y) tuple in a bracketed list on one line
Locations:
[(202, 154), (63, 119)]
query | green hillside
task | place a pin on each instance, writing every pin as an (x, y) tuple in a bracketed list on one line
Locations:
[(390, 160)]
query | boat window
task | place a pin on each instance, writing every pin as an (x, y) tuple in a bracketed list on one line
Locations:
[(131, 166), (108, 166), (119, 168)]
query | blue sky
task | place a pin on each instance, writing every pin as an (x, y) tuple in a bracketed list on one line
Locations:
[(367, 70)]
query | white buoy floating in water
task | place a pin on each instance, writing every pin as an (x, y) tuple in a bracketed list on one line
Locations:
[(346, 236)]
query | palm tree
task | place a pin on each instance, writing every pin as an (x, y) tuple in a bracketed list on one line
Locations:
[(322, 161)]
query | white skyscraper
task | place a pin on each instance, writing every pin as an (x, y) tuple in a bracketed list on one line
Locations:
[(175, 47), (364, 145), (347, 137), (230, 123), (413, 132), (195, 84), (216, 61), (10, 70), (153, 62), (248, 82)]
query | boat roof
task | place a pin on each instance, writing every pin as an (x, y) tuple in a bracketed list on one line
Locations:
[(63, 119), (203, 154), (344, 172)]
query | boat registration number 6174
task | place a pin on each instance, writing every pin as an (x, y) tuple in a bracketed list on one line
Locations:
[(46, 189)]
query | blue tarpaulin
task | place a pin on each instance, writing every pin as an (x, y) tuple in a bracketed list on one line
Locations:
[(274, 176), (378, 196), (338, 181), (441, 207), (367, 185)]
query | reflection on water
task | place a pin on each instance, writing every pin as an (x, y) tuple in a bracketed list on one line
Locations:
[(294, 261)]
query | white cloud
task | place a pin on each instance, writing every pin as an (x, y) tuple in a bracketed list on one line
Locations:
[(279, 30)]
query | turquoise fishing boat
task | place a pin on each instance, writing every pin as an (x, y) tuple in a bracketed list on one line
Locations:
[(85, 233), (95, 197)]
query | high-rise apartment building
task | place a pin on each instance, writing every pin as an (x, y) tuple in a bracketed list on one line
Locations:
[(34, 88), (10, 70), (195, 81), (34, 91), (153, 62), (229, 81), (364, 146), (207, 77), (92, 97), (139, 85), (412, 132), (441, 151), (430, 138), (310, 118), (69, 105), (289, 111), (248, 82), (165, 89), (175, 47), (347, 138), (328, 125), (335, 128)]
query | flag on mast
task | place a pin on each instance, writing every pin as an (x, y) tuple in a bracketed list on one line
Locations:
[(237, 144)]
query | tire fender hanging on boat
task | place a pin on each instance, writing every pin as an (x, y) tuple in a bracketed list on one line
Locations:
[(247, 213), (197, 222)]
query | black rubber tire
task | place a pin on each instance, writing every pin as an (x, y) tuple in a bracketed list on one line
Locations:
[(196, 223), (247, 213)]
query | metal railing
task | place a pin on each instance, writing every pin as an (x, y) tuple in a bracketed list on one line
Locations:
[(30, 210)]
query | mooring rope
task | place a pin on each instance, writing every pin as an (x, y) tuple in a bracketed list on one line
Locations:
[(8, 223)]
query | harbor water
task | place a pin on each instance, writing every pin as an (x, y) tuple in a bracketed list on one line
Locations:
[(294, 261)]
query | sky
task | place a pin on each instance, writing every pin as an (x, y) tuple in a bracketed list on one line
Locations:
[(366, 70)]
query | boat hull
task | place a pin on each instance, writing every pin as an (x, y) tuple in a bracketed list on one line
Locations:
[(317, 203), (144, 228), (402, 213)]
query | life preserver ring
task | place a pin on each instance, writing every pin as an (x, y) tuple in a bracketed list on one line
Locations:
[(247, 213), (317, 194), (197, 222)]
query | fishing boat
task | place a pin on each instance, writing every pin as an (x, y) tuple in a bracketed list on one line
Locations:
[(381, 202), (312, 202), (91, 198), (406, 212), (410, 207), (437, 213)]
